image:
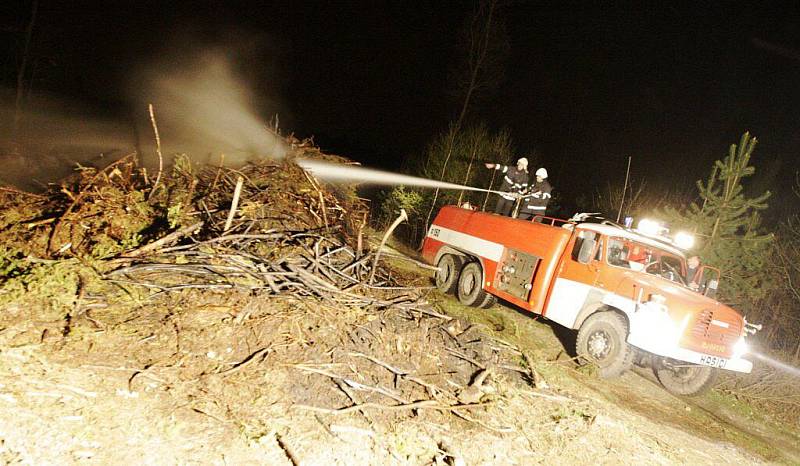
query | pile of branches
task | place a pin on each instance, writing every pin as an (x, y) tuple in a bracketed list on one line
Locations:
[(269, 228), (310, 263), (102, 213), (265, 230), (74, 236)]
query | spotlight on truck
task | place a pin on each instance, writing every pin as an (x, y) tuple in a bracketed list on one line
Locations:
[(684, 240), (649, 227)]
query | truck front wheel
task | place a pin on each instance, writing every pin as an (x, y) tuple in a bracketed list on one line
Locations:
[(470, 285), (601, 339), (449, 269), (680, 378), (488, 302)]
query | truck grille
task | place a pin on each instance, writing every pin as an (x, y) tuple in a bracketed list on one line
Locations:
[(715, 331)]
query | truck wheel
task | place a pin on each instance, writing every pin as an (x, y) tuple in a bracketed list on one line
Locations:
[(449, 269), (490, 301), (601, 339), (470, 285), (680, 378)]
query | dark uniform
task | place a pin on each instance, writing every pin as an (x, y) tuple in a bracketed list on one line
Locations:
[(514, 181), (536, 200), (692, 279)]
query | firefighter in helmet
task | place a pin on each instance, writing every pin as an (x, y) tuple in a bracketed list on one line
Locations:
[(515, 182), (535, 200)]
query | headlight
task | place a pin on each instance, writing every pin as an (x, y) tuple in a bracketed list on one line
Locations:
[(740, 348), (655, 328)]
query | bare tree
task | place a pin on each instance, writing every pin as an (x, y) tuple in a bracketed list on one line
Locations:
[(609, 199), (481, 41), (478, 135)]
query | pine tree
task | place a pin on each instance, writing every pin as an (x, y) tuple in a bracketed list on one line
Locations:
[(727, 223)]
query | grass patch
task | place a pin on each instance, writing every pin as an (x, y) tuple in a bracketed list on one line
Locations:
[(535, 338)]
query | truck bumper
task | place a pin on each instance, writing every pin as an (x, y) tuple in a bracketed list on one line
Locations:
[(682, 354)]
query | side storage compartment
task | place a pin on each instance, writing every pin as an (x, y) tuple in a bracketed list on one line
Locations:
[(515, 273)]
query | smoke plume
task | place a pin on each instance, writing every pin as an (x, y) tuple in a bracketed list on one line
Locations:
[(53, 136)]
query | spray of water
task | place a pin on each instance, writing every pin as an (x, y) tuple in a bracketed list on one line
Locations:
[(355, 174), (794, 371), (204, 107)]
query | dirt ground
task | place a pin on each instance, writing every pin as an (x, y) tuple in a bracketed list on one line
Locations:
[(703, 429), (222, 381), (273, 340)]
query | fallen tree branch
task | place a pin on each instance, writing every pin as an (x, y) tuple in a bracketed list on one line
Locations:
[(234, 204), (158, 151), (259, 354), (424, 404), (169, 239), (352, 383)]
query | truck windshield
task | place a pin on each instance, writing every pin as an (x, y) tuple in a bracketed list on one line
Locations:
[(624, 252)]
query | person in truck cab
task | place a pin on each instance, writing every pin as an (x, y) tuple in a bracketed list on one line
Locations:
[(515, 183), (692, 279), (538, 196), (639, 257)]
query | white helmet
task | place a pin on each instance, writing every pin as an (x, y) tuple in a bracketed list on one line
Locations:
[(542, 172), (523, 161)]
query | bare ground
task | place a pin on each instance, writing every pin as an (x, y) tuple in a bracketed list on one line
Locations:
[(233, 380), (697, 429)]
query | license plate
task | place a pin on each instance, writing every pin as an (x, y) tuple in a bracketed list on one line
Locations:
[(713, 361)]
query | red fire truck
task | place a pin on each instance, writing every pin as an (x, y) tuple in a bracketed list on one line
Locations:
[(624, 291)]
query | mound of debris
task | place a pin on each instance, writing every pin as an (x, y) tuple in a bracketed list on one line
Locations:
[(246, 297)]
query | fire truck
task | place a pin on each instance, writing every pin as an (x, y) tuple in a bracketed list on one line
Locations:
[(624, 290)]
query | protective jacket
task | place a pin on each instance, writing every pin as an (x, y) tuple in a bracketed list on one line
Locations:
[(514, 181), (537, 197)]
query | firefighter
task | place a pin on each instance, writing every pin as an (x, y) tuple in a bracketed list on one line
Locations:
[(692, 279), (535, 201), (515, 182)]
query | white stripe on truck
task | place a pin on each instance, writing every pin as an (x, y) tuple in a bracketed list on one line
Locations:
[(566, 301), (481, 247)]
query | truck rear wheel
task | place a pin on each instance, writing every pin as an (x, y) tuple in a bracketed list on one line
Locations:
[(449, 269), (680, 378), (601, 339), (470, 285)]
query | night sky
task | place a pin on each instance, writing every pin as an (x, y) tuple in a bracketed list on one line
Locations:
[(584, 87)]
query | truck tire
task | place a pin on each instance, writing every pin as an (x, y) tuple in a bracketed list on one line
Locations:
[(601, 340), (490, 301), (446, 277), (470, 285), (680, 378)]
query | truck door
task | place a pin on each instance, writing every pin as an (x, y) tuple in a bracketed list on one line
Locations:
[(583, 269), (616, 263), (575, 282)]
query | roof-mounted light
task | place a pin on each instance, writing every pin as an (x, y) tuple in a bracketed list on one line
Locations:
[(684, 240), (649, 227)]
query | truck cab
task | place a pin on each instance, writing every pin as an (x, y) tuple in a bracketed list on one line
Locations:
[(626, 293)]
